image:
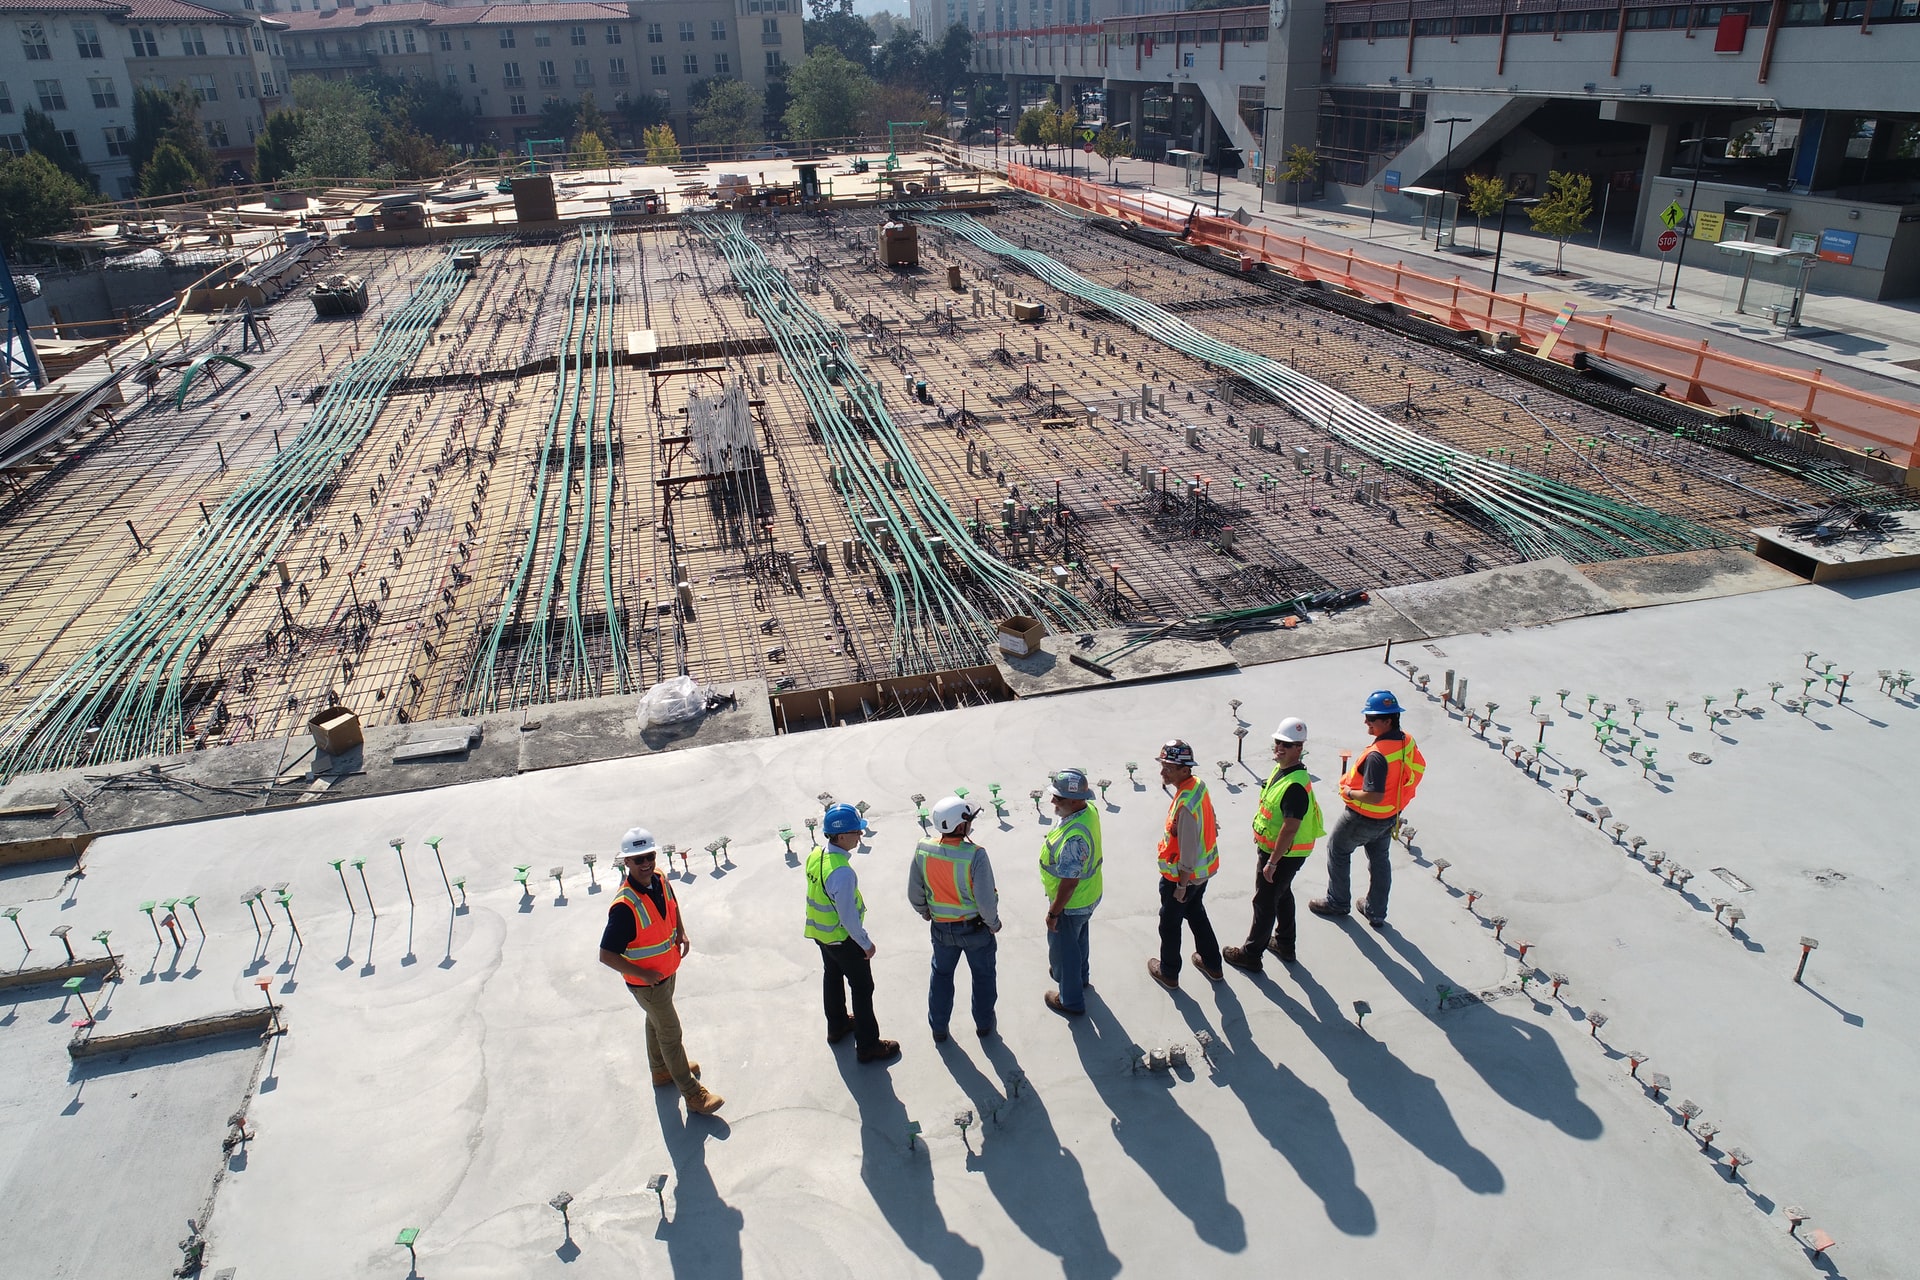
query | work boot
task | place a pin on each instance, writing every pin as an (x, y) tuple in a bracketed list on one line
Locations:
[(705, 1102), (1242, 958), (1153, 971), (882, 1051), (1284, 953), (1053, 1002), (1213, 975), (1322, 907), (662, 1078)]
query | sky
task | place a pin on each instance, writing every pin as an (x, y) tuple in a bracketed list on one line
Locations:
[(867, 8)]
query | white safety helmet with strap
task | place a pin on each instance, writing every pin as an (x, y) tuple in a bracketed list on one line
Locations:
[(636, 842), (1292, 729), (950, 813)]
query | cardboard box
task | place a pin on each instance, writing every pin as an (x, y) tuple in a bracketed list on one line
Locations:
[(1021, 635), (900, 244), (335, 730), (1029, 311)]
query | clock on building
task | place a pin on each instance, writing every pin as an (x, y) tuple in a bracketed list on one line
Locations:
[(1277, 13)]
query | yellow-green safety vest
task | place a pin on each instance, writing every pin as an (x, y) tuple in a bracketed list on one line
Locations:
[(823, 917), (1085, 823), (1267, 823)]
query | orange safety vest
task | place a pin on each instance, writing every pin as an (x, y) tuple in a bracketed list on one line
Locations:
[(1192, 797), (655, 946), (947, 872), (1405, 765)]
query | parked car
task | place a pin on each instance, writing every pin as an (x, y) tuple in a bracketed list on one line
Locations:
[(767, 153)]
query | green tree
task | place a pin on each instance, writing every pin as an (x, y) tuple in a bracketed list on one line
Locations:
[(410, 153), (341, 125), (1563, 212), (36, 198), (589, 152), (662, 147), (950, 63), (1032, 123), (590, 120), (841, 31), (273, 153), (898, 104), (168, 173), (1110, 145), (643, 111), (556, 120), (902, 60), (170, 116), (1303, 162), (1060, 128), (43, 136), (828, 92), (773, 117), (1486, 196), (730, 113)]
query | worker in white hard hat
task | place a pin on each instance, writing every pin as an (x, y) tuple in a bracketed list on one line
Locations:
[(644, 942), (951, 886), (1284, 831)]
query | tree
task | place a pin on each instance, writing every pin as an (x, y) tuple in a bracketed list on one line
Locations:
[(841, 31), (900, 105), (336, 140), (273, 153), (1060, 128), (410, 153), (168, 173), (730, 114), (1563, 212), (950, 62), (43, 136), (591, 120), (1303, 162), (432, 107), (642, 112), (1110, 145), (773, 116), (556, 120), (589, 152), (1485, 197), (169, 116), (36, 198), (1031, 124), (828, 92), (902, 60), (662, 147)]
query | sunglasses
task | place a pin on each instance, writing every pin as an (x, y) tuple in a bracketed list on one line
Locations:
[(641, 857)]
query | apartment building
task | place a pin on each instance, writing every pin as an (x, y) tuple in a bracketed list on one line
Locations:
[(79, 61)]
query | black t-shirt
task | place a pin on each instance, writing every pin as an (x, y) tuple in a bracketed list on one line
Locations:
[(1373, 769), (621, 926), (1293, 802)]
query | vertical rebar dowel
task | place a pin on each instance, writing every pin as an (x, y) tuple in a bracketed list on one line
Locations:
[(343, 885), (433, 843), (405, 879), (360, 865)]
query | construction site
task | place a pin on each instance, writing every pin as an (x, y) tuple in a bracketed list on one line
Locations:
[(952, 486)]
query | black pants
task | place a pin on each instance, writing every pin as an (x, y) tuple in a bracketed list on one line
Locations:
[(846, 967), (1194, 913), (1273, 908)]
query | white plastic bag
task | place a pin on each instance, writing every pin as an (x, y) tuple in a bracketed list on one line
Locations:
[(672, 701)]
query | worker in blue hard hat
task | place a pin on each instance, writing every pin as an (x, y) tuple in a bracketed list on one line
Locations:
[(836, 920), (1376, 790)]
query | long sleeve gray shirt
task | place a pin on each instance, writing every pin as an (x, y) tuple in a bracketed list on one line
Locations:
[(985, 896)]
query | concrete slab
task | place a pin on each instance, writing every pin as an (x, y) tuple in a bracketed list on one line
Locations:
[(1687, 575), (1521, 595), (605, 728), (1050, 670), (1360, 627), (1840, 558)]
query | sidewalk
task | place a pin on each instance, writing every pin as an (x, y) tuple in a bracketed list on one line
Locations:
[(1856, 342)]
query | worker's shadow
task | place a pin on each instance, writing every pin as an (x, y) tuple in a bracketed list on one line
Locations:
[(1037, 1181), (1289, 1113), (703, 1234), (900, 1177), (1156, 1133), (1518, 1060)]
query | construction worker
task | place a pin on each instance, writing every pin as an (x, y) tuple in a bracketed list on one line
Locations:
[(1284, 832), (644, 942), (1378, 787), (951, 885), (1070, 874), (836, 912), (1189, 855)]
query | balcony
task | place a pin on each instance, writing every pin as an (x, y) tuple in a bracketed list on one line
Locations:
[(616, 77), (769, 37), (513, 82), (549, 82), (582, 79)]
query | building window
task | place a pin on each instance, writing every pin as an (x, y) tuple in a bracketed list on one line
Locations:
[(718, 30), (548, 78), (473, 74), (615, 67), (506, 37), (386, 42), (243, 83), (686, 32), (259, 45), (266, 84), (576, 35), (656, 34), (582, 67), (769, 32), (773, 60), (690, 64), (517, 104), (86, 38), (33, 42), (51, 98), (193, 42), (145, 45), (446, 41), (510, 74), (71, 142), (205, 88), (657, 64), (722, 64), (216, 131), (406, 41), (543, 39), (233, 50), (6, 99), (613, 34), (453, 78), (15, 144), (101, 87), (119, 143)]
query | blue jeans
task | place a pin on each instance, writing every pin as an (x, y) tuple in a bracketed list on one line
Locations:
[(1374, 835), (980, 947), (1068, 954)]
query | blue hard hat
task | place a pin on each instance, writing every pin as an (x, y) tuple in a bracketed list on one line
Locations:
[(1382, 703), (842, 818)]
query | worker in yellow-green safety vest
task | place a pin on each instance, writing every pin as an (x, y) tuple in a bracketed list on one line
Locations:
[(1284, 832), (1070, 874), (836, 920)]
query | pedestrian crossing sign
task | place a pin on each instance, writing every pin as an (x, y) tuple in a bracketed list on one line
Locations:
[(1673, 215)]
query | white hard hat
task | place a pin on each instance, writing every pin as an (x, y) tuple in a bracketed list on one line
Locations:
[(1292, 729), (951, 812), (637, 841)]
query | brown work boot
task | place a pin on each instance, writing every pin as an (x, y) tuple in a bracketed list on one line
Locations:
[(662, 1078), (882, 1051), (1153, 971), (705, 1102), (1213, 975), (1242, 958)]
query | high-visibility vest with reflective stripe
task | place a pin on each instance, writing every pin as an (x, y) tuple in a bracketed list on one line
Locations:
[(1405, 765), (823, 917), (1085, 823), (1267, 823), (947, 872), (654, 947), (1192, 797)]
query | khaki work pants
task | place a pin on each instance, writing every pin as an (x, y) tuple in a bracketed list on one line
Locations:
[(664, 1050)]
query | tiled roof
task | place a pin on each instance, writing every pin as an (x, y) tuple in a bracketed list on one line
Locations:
[(176, 11), (424, 14), (62, 6), (345, 16)]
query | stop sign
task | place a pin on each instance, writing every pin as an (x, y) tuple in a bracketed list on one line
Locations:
[(1669, 241)]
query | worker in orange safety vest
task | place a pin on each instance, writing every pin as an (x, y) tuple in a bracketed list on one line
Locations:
[(1376, 790)]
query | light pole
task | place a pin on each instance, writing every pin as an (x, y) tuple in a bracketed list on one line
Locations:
[(1266, 157), (1446, 173), (1500, 240), (1699, 147)]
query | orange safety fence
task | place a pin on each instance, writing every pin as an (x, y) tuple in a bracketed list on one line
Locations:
[(1692, 370)]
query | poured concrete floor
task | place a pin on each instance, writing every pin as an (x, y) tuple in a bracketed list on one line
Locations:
[(454, 1071)]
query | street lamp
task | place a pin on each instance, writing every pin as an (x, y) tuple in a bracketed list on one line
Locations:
[(1500, 241), (1699, 146), (1266, 156), (1446, 167)]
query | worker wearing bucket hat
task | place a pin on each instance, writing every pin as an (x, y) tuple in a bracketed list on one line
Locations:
[(1070, 874)]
